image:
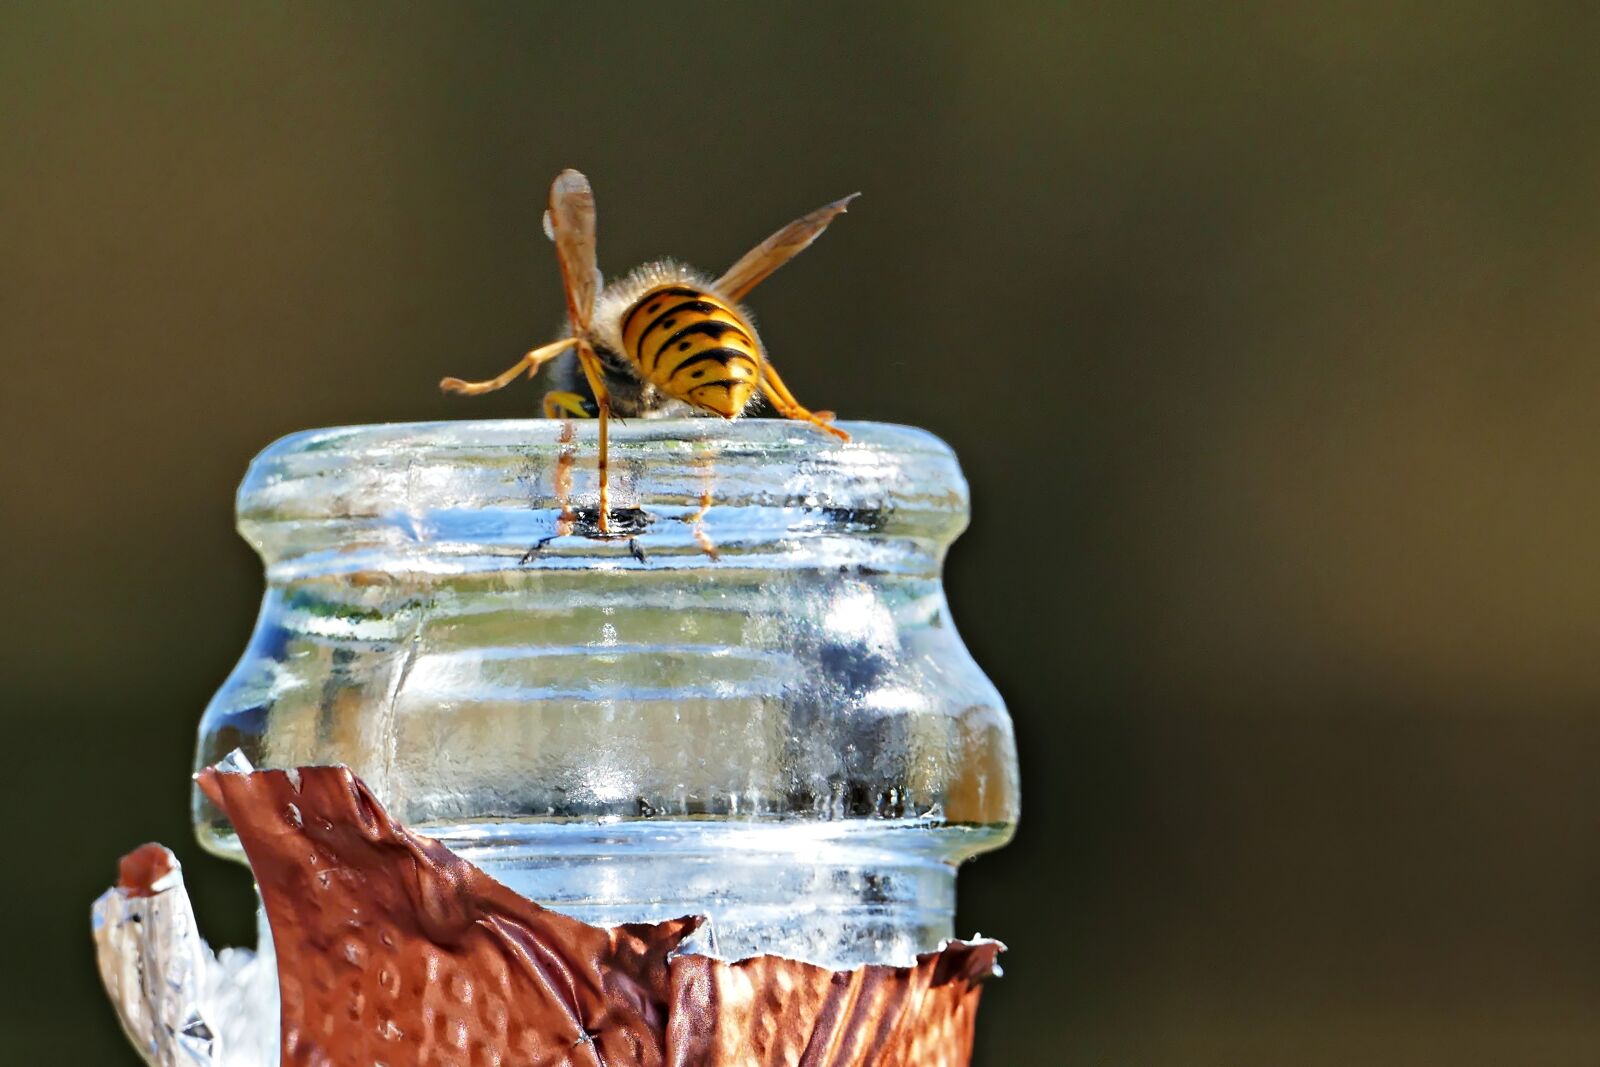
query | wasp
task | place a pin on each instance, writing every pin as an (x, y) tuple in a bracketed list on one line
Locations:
[(663, 340)]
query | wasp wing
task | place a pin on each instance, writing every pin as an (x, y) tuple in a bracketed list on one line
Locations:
[(778, 249), (570, 224)]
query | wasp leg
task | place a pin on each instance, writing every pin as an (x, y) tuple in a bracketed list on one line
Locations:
[(698, 528), (558, 404), (564, 520), (697, 521), (786, 405), (595, 374), (530, 363)]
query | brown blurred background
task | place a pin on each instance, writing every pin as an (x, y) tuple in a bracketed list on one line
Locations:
[(1267, 338)]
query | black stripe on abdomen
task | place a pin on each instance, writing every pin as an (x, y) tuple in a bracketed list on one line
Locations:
[(656, 299), (722, 357), (715, 329), (726, 383)]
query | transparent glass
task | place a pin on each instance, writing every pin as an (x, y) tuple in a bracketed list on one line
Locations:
[(788, 735)]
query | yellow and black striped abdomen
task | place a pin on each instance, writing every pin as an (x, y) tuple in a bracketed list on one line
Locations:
[(693, 347)]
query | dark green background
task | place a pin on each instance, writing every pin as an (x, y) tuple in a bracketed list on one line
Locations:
[(1267, 336)]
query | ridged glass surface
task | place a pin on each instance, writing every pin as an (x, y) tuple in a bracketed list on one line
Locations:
[(808, 676)]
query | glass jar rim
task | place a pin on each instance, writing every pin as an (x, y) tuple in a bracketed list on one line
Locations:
[(479, 494)]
